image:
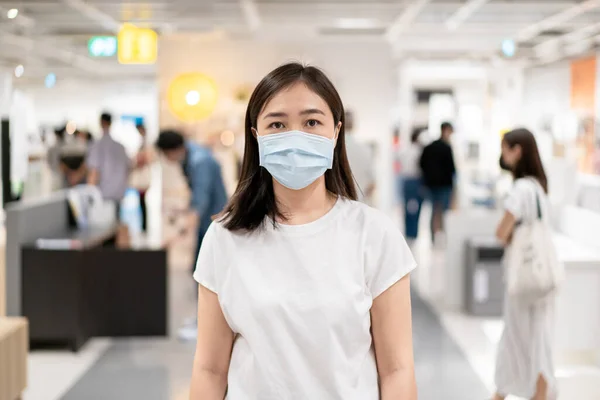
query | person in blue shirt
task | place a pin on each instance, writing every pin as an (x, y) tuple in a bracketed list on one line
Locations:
[(203, 174)]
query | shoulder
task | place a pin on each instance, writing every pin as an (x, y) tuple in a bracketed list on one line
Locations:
[(523, 185), (373, 222), (218, 234)]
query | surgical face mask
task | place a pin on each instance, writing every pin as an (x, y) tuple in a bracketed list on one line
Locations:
[(295, 158)]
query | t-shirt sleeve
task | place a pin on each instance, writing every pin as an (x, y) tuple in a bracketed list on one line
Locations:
[(388, 259), (206, 264), (515, 202)]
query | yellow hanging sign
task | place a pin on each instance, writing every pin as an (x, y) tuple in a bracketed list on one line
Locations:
[(137, 45)]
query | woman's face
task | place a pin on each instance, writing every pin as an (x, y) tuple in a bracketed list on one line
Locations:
[(297, 108), (510, 155)]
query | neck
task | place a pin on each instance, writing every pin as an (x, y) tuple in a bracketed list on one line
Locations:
[(305, 205)]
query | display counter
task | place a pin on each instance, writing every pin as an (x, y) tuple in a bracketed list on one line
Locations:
[(73, 284), (578, 304)]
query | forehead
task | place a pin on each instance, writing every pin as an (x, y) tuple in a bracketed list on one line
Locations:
[(294, 99)]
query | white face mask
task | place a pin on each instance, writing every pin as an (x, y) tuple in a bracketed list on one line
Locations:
[(295, 158)]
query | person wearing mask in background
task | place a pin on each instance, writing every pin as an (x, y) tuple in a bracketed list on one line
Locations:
[(525, 366), (208, 194), (108, 165), (361, 162), (73, 160), (438, 169), (141, 176), (304, 293), (412, 185)]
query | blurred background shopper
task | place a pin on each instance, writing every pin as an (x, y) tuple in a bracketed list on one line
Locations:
[(438, 168), (283, 269), (412, 185), (525, 365), (108, 165), (142, 175), (208, 196)]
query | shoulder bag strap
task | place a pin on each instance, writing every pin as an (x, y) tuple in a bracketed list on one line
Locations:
[(537, 201), (537, 197)]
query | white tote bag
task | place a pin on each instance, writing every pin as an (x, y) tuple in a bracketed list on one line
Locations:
[(533, 268)]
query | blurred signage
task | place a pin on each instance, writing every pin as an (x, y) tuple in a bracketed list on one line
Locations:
[(137, 45), (102, 46), (583, 85)]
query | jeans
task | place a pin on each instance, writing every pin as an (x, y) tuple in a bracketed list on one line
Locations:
[(412, 188), (440, 198)]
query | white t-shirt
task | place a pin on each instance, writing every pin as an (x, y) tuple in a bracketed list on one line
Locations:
[(521, 201), (409, 159), (299, 298)]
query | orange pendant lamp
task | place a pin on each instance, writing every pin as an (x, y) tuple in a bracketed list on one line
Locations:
[(192, 97)]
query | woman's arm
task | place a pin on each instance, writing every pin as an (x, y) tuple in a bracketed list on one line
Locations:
[(505, 228), (392, 336), (213, 349)]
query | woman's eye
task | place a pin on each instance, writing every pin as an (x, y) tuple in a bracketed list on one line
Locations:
[(312, 123), (276, 125)]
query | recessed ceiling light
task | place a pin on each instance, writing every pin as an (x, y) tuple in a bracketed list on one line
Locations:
[(19, 71), (356, 23), (509, 47), (50, 80), (12, 13)]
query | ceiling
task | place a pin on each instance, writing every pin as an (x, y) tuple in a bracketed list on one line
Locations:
[(52, 35)]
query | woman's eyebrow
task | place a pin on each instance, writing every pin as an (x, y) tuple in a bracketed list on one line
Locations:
[(312, 111), (275, 114)]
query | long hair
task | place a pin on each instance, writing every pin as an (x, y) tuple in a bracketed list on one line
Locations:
[(530, 164), (254, 198)]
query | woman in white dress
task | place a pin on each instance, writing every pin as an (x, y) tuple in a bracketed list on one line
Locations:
[(304, 292), (525, 365)]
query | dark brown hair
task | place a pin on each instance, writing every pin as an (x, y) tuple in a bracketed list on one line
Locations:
[(530, 164), (254, 198)]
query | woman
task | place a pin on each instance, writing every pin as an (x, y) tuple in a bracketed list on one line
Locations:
[(412, 185), (304, 292), (525, 366)]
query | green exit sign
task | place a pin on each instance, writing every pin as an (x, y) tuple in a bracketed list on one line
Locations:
[(102, 46)]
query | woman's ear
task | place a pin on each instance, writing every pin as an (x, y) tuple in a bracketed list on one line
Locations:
[(254, 133), (518, 151), (338, 129)]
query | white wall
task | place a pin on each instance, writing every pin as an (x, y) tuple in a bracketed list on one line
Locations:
[(547, 92), (548, 95), (363, 73), (83, 101)]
